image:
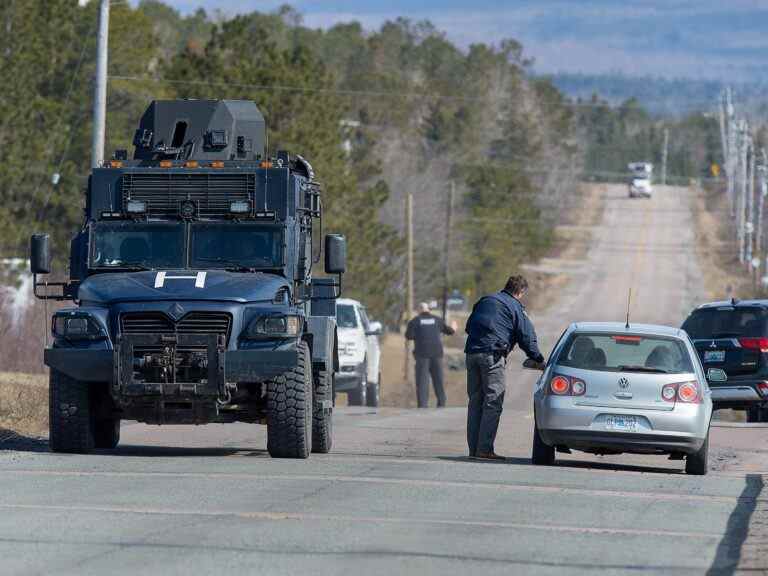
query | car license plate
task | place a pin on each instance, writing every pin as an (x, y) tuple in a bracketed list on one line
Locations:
[(714, 356), (621, 423)]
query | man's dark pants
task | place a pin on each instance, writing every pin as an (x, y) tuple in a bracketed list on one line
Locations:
[(426, 367), (486, 384)]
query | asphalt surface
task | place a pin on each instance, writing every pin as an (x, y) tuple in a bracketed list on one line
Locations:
[(398, 495)]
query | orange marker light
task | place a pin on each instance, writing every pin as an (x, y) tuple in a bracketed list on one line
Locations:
[(166, 164), (115, 164), (217, 164), (265, 164), (190, 164)]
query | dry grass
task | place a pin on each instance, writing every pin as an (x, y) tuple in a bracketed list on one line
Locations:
[(24, 403)]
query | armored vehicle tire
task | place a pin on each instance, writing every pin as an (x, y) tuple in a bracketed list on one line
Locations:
[(70, 418), (359, 396), (697, 463), (289, 410), (322, 418), (541, 453), (107, 433), (373, 393)]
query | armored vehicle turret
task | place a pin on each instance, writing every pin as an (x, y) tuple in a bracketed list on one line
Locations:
[(193, 288)]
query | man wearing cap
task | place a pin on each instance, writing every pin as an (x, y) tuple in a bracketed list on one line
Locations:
[(425, 331), (497, 324)]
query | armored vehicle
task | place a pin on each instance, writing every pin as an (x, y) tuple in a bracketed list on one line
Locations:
[(193, 288)]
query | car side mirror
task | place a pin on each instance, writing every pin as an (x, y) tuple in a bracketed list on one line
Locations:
[(533, 365), (717, 375), (40, 254), (374, 329), (335, 254)]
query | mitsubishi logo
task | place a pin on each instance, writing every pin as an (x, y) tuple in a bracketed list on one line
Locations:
[(713, 345)]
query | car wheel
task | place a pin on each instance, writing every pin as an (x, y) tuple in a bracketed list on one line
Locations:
[(753, 414), (372, 394), (696, 463), (541, 454)]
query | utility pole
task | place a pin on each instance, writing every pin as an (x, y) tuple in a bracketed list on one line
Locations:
[(447, 250), (100, 87), (731, 152), (664, 157), (741, 203), (409, 277), (762, 169), (750, 227)]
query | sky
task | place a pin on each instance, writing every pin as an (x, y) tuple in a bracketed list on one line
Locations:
[(714, 39)]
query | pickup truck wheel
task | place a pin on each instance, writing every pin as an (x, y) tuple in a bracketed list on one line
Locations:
[(322, 418), (359, 396), (107, 433), (696, 464), (373, 392), (289, 410), (71, 422), (541, 453)]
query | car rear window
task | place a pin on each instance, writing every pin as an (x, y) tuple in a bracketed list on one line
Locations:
[(625, 352), (726, 322), (345, 316)]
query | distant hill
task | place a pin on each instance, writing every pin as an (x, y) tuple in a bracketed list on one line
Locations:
[(661, 96)]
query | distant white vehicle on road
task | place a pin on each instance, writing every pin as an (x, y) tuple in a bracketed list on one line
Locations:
[(640, 188), (359, 372)]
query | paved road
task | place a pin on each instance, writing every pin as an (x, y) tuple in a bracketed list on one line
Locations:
[(397, 495)]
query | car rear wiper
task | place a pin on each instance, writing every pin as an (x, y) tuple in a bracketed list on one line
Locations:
[(724, 335), (632, 368)]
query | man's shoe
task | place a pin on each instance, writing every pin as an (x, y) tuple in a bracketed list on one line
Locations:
[(489, 456)]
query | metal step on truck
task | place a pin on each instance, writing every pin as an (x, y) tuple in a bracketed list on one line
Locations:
[(193, 289)]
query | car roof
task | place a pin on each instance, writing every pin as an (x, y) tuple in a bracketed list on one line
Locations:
[(621, 327), (349, 301), (733, 303)]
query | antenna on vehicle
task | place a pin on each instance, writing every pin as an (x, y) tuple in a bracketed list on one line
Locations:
[(629, 301)]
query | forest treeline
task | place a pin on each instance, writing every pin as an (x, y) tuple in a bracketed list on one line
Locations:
[(379, 113)]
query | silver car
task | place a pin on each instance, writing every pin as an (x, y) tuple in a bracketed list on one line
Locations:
[(608, 388)]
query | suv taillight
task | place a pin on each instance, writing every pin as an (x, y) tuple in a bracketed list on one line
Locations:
[(754, 344), (685, 392), (561, 385), (763, 387)]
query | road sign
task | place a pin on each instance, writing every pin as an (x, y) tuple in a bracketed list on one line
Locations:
[(715, 169)]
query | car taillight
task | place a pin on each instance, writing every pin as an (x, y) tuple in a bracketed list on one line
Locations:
[(763, 387), (567, 386), (686, 392), (754, 344)]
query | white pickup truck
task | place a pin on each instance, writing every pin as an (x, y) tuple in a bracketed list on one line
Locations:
[(359, 372)]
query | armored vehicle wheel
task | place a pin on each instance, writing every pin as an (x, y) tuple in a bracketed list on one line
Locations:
[(322, 418), (541, 454), (373, 392), (107, 433), (70, 419), (289, 410), (697, 463)]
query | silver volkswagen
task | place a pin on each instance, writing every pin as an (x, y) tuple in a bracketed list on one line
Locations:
[(610, 388)]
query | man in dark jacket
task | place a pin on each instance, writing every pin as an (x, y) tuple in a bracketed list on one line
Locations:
[(498, 322), (425, 330)]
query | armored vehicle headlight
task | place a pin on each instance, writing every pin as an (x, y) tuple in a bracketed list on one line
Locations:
[(240, 207), (136, 207), (76, 327), (274, 326)]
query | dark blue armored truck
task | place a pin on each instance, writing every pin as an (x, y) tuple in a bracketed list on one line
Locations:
[(191, 277)]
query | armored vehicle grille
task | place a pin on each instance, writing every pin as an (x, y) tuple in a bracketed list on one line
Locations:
[(164, 190), (191, 323)]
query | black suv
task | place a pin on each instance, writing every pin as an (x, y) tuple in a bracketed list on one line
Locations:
[(733, 335)]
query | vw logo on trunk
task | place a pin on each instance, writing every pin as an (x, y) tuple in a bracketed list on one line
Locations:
[(623, 383)]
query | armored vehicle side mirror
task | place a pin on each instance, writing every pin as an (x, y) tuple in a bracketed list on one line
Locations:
[(374, 329), (533, 365), (335, 254), (717, 375), (40, 254)]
